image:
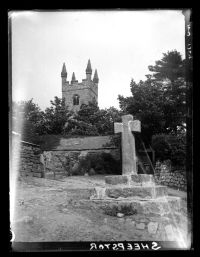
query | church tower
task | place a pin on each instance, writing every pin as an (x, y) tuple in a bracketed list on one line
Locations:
[(76, 93)]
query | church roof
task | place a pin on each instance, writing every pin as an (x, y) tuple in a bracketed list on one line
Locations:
[(89, 68)]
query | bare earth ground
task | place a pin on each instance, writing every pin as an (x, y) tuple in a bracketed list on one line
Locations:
[(42, 213)]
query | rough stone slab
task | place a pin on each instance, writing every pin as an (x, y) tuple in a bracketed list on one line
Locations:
[(171, 232), (140, 226), (145, 192), (63, 173), (59, 176), (36, 174), (142, 179), (152, 227), (134, 180), (81, 193), (115, 180), (26, 174), (49, 175), (159, 207)]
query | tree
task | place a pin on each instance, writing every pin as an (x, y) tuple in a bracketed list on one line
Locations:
[(170, 147), (145, 104), (82, 122), (170, 73), (171, 67), (90, 120), (55, 117), (159, 101), (28, 110), (26, 117), (108, 116)]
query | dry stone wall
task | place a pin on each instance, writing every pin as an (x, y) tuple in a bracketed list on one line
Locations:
[(59, 159), (64, 156), (66, 163), (30, 163), (26, 158), (164, 175)]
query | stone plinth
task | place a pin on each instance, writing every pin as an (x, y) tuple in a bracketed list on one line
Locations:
[(139, 205), (133, 180), (129, 186), (142, 192), (49, 175), (159, 207)]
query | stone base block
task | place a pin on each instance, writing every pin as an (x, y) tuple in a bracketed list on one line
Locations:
[(160, 206), (54, 175), (141, 192), (59, 176), (81, 193), (37, 174), (26, 174), (49, 175), (132, 180)]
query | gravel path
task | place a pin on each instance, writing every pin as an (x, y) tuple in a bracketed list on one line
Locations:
[(42, 213)]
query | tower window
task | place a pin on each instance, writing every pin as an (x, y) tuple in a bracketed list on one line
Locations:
[(76, 100)]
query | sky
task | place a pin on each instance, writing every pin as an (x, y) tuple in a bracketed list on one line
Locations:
[(120, 44)]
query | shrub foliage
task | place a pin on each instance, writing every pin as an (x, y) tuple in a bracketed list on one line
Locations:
[(171, 147)]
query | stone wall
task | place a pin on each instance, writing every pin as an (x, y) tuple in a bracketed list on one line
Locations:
[(64, 143), (26, 158), (62, 155), (29, 160), (30, 164), (59, 164), (167, 176)]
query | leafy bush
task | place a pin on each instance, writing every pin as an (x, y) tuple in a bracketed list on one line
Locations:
[(161, 147), (77, 171), (92, 121), (57, 119), (170, 147), (115, 141), (111, 166), (126, 210), (101, 163)]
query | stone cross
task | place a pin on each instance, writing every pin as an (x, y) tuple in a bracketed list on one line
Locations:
[(128, 143)]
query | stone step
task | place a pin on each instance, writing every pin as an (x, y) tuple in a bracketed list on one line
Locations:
[(161, 206), (133, 180), (140, 192)]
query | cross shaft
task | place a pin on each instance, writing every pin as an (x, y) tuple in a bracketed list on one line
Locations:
[(128, 125)]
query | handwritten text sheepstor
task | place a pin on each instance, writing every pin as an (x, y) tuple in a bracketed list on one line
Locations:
[(125, 246)]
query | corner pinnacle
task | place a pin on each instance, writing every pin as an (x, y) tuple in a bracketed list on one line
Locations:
[(64, 71), (89, 68)]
